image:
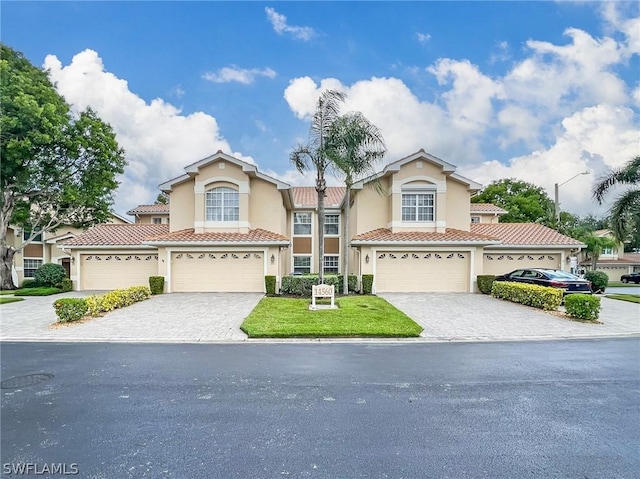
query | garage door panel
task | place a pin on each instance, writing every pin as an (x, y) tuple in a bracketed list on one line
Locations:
[(230, 271), (115, 271), (503, 263), (422, 271)]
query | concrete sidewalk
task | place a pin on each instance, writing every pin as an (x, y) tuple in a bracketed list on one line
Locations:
[(216, 317)]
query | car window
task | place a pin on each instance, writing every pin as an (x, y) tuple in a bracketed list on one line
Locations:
[(516, 274), (560, 275)]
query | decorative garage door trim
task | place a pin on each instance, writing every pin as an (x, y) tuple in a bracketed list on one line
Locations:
[(423, 270), (505, 262), (103, 271)]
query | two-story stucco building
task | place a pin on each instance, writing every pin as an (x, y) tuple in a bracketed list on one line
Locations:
[(228, 225)]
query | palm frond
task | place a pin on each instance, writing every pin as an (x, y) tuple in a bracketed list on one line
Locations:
[(625, 211), (628, 174)]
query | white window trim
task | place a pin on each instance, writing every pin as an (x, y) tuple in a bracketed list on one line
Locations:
[(477, 218), (32, 258), (337, 256), (339, 224), (207, 207), (293, 265), (417, 192), (293, 224)]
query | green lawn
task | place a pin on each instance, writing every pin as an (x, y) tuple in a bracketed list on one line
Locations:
[(357, 316), (632, 298), (620, 284), (9, 299)]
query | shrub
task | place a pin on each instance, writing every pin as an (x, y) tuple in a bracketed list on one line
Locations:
[(118, 298), (484, 283), (66, 285), (367, 283), (582, 306), (599, 280), (301, 285), (270, 284), (40, 291), (70, 309), (541, 297), (30, 283), (156, 284), (50, 274)]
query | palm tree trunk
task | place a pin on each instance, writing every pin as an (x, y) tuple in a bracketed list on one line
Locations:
[(345, 239), (321, 187)]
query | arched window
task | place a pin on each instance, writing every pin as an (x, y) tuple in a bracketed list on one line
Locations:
[(222, 204)]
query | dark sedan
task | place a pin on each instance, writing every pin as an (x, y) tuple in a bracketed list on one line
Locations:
[(630, 278), (554, 278)]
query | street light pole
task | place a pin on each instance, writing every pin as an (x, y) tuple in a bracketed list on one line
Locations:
[(556, 189)]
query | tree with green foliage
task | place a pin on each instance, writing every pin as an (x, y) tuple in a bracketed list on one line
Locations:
[(162, 199), (56, 167), (354, 146), (595, 245), (525, 202), (313, 155), (625, 211)]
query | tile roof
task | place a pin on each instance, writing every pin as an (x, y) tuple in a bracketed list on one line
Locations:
[(190, 236), (116, 235), (626, 259), (524, 234), (384, 235), (486, 208), (148, 209), (308, 196)]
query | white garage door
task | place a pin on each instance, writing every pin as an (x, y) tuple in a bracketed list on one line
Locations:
[(503, 263), (226, 271), (422, 271), (115, 271)]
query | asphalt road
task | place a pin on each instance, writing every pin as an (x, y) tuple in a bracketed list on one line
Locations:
[(560, 409)]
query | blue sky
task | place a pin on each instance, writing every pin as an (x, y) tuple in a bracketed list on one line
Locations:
[(533, 90)]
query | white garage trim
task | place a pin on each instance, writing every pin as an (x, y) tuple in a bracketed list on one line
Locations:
[(503, 262), (108, 270)]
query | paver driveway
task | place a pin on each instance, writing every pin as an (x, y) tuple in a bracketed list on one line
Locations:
[(464, 316), (190, 317)]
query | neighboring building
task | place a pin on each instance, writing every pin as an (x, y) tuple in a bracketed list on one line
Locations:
[(613, 261), (151, 214), (229, 225), (44, 248)]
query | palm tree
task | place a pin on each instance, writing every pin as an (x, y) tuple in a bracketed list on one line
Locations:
[(313, 155), (354, 145), (626, 208), (595, 245)]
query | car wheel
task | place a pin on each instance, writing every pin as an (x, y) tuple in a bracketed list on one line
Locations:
[(625, 280)]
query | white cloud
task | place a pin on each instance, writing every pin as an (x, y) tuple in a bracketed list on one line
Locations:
[(158, 140), (594, 139), (423, 37), (240, 75), (279, 23)]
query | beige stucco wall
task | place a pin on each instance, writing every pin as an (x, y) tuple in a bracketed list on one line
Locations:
[(372, 209), (486, 218), (457, 206), (182, 206), (266, 208)]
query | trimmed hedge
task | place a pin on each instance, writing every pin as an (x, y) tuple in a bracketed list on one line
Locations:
[(118, 298), (50, 274), (485, 281), (30, 283), (270, 284), (582, 306), (156, 284), (301, 285), (39, 291), (367, 283), (599, 280), (70, 309), (66, 285), (541, 297)]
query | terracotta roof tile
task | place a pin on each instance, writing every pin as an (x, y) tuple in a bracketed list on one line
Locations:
[(384, 235), (189, 236), (524, 234), (149, 209), (486, 208), (307, 196), (116, 235)]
